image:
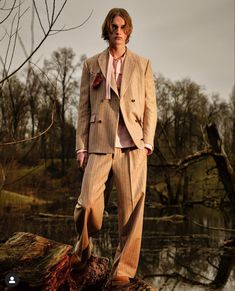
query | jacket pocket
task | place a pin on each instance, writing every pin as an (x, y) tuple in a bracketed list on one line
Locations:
[(92, 118)]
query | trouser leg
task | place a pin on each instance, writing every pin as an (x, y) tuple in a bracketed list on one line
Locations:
[(129, 171), (89, 209)]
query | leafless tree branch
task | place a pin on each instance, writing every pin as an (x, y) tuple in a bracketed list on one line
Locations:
[(11, 9), (51, 22), (15, 38), (43, 73), (3, 36), (11, 35), (38, 16), (32, 29), (177, 276), (47, 10), (8, 46), (23, 46), (58, 13), (183, 163), (53, 12), (212, 228), (33, 137), (75, 27)]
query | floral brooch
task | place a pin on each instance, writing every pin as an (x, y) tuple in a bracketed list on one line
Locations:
[(97, 81)]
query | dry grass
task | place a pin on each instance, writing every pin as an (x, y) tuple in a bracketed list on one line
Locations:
[(12, 200)]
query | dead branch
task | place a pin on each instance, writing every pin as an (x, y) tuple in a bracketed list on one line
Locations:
[(33, 137), (177, 276), (211, 227), (185, 162), (224, 167), (56, 216), (22, 177)]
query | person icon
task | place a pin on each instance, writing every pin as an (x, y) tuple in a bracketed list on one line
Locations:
[(12, 280)]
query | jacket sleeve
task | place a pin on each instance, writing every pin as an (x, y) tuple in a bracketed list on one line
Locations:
[(150, 111), (84, 111)]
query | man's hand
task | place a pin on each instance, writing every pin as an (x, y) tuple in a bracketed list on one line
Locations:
[(82, 158)]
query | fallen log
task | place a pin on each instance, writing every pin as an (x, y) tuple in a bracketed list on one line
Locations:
[(43, 264)]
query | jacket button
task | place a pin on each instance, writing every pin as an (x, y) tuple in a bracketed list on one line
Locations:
[(100, 121), (132, 100)]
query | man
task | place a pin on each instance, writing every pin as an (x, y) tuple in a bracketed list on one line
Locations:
[(115, 131)]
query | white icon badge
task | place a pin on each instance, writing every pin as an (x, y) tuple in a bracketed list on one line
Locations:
[(12, 279)]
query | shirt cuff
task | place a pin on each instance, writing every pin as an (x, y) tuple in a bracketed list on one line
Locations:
[(81, 151), (149, 148)]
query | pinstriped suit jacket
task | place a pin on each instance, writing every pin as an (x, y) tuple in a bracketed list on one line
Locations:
[(98, 118)]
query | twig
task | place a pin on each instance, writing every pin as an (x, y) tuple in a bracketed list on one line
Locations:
[(22, 177), (211, 227), (6, 9), (39, 19), (177, 276), (75, 27), (33, 137), (32, 29), (49, 215), (15, 38), (3, 36), (47, 10), (11, 9)]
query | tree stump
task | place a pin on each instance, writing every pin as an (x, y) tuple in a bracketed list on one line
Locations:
[(44, 264)]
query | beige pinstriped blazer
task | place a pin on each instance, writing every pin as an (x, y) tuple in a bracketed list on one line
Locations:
[(98, 117)]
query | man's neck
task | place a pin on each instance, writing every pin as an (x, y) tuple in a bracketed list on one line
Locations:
[(117, 52)]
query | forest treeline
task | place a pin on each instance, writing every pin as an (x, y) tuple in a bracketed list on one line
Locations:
[(45, 99)]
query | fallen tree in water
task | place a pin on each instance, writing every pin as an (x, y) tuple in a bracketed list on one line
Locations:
[(224, 167), (215, 150), (44, 264)]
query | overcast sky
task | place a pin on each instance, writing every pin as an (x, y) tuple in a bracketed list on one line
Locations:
[(182, 38)]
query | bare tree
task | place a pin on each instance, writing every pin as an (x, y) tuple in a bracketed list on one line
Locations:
[(183, 109), (61, 69)]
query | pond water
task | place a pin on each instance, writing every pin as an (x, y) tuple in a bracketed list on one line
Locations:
[(177, 253)]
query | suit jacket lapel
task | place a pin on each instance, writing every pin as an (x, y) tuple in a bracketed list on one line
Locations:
[(103, 63), (129, 65)]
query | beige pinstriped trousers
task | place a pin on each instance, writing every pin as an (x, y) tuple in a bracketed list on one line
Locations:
[(129, 168)]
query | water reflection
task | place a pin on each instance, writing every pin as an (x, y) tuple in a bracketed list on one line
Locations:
[(177, 254)]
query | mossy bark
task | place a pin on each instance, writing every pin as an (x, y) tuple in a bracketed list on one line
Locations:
[(44, 264)]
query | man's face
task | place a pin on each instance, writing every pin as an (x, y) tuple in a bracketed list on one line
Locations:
[(118, 36)]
